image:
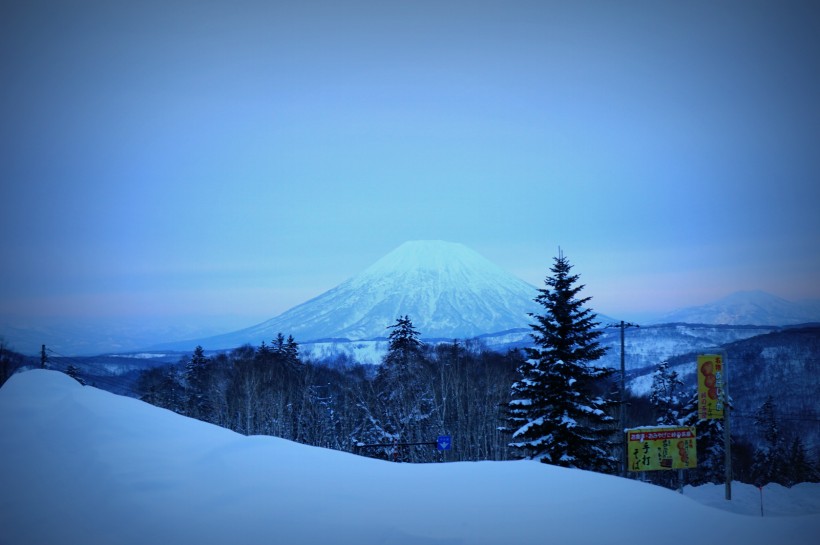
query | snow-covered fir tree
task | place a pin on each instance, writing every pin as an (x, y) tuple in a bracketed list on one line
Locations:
[(286, 351), (405, 346), (798, 467), (769, 465), (665, 397), (711, 442), (74, 372), (404, 392), (196, 375), (558, 412), (172, 394)]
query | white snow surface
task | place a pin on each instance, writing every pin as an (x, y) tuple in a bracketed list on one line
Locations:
[(84, 466)]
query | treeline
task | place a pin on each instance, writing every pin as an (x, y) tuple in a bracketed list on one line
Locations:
[(784, 364), (418, 393), (768, 455), (11, 361)]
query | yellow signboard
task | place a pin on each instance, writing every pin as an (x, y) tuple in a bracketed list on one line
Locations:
[(711, 375), (652, 448)]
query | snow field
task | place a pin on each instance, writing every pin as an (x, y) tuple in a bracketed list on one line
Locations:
[(80, 465)]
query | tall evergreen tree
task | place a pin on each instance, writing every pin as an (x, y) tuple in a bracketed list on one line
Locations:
[(711, 451), (405, 346), (558, 412), (798, 468), (286, 351), (665, 396), (404, 389), (770, 457), (172, 394), (197, 374)]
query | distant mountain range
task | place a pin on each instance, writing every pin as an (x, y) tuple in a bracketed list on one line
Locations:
[(452, 292), (447, 289), (747, 308)]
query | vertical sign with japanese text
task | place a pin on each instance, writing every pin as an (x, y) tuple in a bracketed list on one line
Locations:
[(711, 376), (652, 448)]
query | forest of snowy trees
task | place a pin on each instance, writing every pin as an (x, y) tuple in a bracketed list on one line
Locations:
[(418, 393), (550, 402), (423, 391)]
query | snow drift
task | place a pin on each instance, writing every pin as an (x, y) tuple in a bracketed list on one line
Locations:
[(83, 466)]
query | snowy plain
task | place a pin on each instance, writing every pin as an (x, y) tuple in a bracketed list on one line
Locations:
[(83, 466)]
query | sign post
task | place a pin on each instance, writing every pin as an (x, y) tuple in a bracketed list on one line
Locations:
[(727, 437), (444, 442), (711, 386), (652, 448), (713, 403)]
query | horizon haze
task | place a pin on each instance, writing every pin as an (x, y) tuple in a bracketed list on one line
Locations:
[(202, 168), (448, 290)]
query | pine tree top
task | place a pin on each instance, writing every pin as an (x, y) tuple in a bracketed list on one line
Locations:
[(566, 331), (404, 336)]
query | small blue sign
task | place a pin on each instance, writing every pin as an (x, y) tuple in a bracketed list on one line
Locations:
[(444, 442)]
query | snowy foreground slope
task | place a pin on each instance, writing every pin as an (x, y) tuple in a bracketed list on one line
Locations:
[(83, 466)]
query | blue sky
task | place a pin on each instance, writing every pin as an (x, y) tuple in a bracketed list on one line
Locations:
[(220, 162)]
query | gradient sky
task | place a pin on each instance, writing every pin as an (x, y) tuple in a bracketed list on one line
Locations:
[(220, 162)]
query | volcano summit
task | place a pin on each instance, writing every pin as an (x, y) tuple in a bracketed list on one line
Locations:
[(447, 289)]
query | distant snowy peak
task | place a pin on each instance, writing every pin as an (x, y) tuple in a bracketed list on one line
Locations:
[(746, 308), (447, 289), (428, 268), (442, 258)]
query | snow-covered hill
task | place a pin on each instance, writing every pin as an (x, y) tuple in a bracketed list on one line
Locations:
[(447, 289), (784, 364), (747, 308), (80, 465), (647, 346)]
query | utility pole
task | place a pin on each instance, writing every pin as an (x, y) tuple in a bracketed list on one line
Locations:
[(727, 436), (720, 411), (622, 420)]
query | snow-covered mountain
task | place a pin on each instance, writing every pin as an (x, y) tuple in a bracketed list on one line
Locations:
[(746, 308), (447, 289)]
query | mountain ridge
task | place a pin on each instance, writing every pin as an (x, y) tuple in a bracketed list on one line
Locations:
[(447, 289), (431, 281), (753, 307)]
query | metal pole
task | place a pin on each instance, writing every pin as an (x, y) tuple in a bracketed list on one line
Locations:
[(622, 413), (623, 405), (727, 435)]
